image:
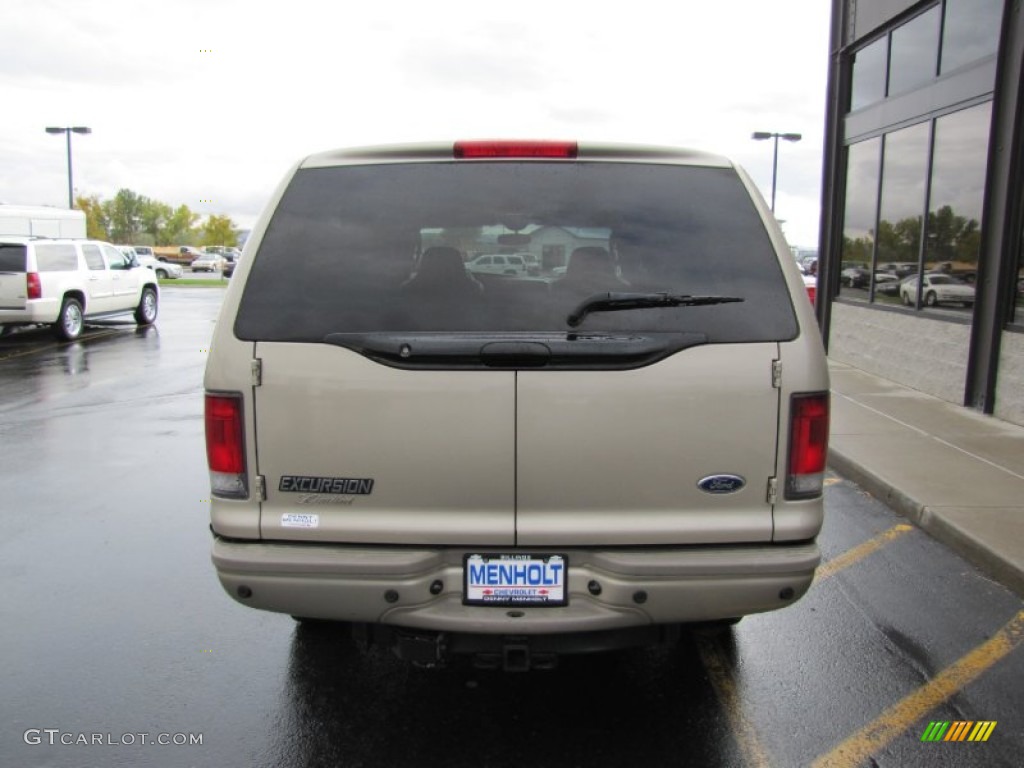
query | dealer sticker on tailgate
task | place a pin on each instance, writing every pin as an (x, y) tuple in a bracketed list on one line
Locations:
[(518, 579)]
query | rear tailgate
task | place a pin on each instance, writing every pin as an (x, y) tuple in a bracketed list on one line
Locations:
[(616, 457), (354, 451)]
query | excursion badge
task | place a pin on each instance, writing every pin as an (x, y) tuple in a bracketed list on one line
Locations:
[(346, 486)]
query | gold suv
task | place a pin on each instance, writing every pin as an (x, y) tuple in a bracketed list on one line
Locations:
[(625, 441)]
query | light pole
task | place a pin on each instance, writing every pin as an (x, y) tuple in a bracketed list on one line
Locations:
[(761, 136), (69, 130)]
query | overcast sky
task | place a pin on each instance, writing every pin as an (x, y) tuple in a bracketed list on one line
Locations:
[(209, 102)]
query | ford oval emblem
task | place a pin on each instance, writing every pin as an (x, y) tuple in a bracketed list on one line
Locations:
[(721, 483)]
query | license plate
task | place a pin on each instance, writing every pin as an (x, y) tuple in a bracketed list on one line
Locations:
[(524, 580)]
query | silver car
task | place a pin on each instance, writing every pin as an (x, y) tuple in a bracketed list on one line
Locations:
[(515, 466), (144, 258), (208, 262)]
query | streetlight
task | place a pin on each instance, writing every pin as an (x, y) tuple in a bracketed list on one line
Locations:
[(761, 136), (69, 130)]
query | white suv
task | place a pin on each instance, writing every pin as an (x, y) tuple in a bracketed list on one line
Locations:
[(516, 466), (498, 264), (63, 282)]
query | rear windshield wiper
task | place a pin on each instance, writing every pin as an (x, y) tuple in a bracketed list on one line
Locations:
[(616, 302)]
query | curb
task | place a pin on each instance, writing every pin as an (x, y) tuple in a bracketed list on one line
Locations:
[(957, 538)]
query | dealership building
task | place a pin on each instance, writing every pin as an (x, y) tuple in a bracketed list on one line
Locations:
[(922, 226)]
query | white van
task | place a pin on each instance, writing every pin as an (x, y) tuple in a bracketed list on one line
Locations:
[(41, 221)]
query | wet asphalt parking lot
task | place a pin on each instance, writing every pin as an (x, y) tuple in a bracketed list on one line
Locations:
[(115, 635)]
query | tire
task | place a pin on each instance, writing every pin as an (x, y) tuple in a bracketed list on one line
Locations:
[(145, 313), (930, 299), (906, 298), (70, 321), (162, 274)]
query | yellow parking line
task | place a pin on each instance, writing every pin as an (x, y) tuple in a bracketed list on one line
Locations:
[(877, 734), (725, 688), (58, 345), (845, 560)]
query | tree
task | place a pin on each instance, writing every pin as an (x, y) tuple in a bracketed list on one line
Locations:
[(154, 217), (95, 218), (131, 218), (179, 229), (124, 214), (951, 237), (899, 241), (218, 230)]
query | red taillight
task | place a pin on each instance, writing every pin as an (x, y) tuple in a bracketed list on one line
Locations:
[(808, 445), (468, 150), (33, 285), (225, 441), (812, 291)]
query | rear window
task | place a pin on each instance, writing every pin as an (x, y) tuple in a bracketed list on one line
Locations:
[(396, 249), (56, 257), (12, 257)]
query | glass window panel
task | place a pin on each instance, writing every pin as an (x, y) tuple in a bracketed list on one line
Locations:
[(904, 171), (56, 257), (953, 236), (971, 31), (349, 239), (869, 74), (93, 257), (915, 52), (12, 257), (115, 259), (1018, 309), (862, 166)]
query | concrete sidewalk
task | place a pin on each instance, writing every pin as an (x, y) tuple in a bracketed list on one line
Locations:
[(955, 472)]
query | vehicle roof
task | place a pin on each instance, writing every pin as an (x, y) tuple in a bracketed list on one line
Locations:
[(9, 209), (26, 239), (443, 151)]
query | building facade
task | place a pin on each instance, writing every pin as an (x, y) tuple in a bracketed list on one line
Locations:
[(922, 274)]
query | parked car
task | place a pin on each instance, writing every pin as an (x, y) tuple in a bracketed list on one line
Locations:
[(164, 270), (65, 282), (811, 286), (230, 262), (860, 277), (532, 262), (937, 289), (892, 287), (855, 277), (899, 268), (179, 254), (145, 250), (498, 264), (515, 468), (207, 262)]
